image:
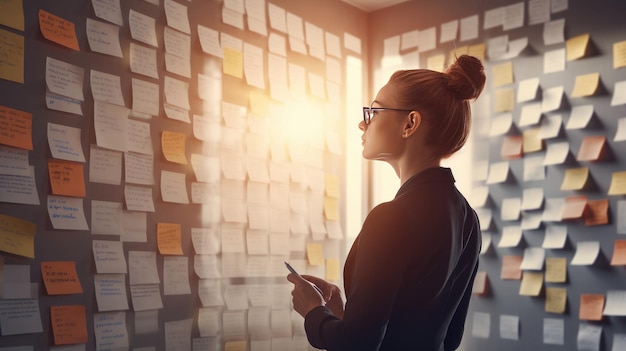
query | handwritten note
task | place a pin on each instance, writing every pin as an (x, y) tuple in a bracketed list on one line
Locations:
[(591, 306), (169, 238), (11, 55), (60, 277), (173, 146), (66, 178), (20, 316), (58, 30), (69, 324), (67, 213), (16, 128), (18, 236)]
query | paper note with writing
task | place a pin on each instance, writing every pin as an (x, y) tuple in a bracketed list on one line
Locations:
[(65, 142), (63, 103), (176, 275), (20, 316), (110, 331), (591, 306), (618, 183), (173, 146), (210, 41), (106, 87), (509, 327), (16, 128), (146, 297), (145, 97), (142, 267), (176, 92), (143, 60), (553, 331), (553, 32), (103, 37), (67, 213), (138, 198), (138, 168), (60, 277), (105, 166), (178, 334), (110, 290), (556, 270), (18, 236), (58, 30), (176, 15), (135, 226), (174, 187), (69, 324), (19, 189), (589, 337), (556, 300), (66, 178), (111, 125), (64, 78), (142, 28), (169, 238), (207, 266), (108, 256), (586, 253), (210, 292), (106, 217), (531, 285), (205, 241), (109, 10), (619, 54), (11, 56)]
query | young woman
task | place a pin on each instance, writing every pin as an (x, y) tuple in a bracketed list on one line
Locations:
[(409, 274)]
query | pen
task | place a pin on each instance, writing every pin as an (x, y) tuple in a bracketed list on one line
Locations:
[(292, 270)]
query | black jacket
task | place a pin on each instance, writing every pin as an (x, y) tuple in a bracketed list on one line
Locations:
[(409, 274)]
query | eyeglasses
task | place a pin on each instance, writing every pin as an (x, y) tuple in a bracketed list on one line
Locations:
[(368, 112)]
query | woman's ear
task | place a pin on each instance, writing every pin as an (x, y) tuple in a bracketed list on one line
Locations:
[(413, 122)]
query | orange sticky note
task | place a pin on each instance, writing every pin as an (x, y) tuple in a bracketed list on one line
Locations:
[(481, 284), (574, 207), (69, 324), (173, 146), (11, 56), (16, 128), (511, 267), (591, 306), (591, 148), (18, 236), (60, 278), (619, 253), (597, 212), (66, 178), (169, 239), (58, 30), (512, 147), (238, 345)]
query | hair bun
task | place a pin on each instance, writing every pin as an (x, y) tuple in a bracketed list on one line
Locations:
[(465, 77)]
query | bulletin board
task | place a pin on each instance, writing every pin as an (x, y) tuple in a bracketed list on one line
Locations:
[(161, 159), (547, 162)]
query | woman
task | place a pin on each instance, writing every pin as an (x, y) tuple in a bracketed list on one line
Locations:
[(409, 274)]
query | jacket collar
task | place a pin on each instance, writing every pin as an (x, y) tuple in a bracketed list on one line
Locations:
[(429, 175)]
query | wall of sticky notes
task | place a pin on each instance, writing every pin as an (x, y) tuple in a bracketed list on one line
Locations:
[(549, 160), (160, 160)]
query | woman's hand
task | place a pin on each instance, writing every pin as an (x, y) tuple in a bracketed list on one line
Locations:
[(305, 296), (332, 294)]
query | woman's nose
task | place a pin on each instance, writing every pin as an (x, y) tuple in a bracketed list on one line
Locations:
[(362, 125)]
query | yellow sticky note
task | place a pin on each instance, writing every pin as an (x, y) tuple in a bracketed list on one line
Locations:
[(586, 84), (233, 62), (18, 236), (504, 100), (332, 269), (66, 178), (576, 47), (12, 14), (314, 254), (11, 56), (58, 30), (575, 178), (556, 298), (618, 183), (478, 51), (502, 74), (332, 186), (173, 147), (331, 208), (531, 285), (259, 103), (436, 62), (556, 270), (239, 345), (532, 141), (619, 54), (169, 239)]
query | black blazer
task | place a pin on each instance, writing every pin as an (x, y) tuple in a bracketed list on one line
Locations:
[(409, 274)]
